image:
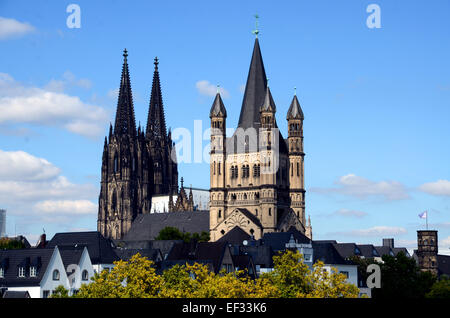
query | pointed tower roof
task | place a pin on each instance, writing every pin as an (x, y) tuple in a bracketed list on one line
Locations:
[(295, 111), (218, 108), (268, 104), (156, 122), (255, 90), (125, 123)]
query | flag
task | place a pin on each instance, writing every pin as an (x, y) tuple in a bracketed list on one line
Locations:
[(423, 215)]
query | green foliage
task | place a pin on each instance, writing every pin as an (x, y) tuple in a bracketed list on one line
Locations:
[(60, 292), (400, 277), (440, 289), (172, 233), (10, 244), (290, 278)]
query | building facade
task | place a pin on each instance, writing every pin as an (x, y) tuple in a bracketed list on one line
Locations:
[(257, 176), (136, 164)]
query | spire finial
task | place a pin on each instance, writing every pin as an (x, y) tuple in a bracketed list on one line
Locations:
[(295, 91), (182, 181), (156, 62), (256, 31), (218, 88), (125, 53)]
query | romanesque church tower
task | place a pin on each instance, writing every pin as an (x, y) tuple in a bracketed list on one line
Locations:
[(135, 165), (257, 176)]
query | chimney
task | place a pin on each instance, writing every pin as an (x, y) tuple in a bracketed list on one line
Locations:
[(388, 242)]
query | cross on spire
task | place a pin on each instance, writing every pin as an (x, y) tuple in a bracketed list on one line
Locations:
[(256, 31)]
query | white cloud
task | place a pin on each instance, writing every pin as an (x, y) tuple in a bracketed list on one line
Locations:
[(21, 166), (206, 88), (350, 213), (51, 107), (377, 231), (362, 188), (10, 28), (440, 187), (66, 207)]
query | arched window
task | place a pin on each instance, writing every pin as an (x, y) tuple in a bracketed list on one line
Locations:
[(56, 274), (114, 201), (220, 213), (85, 275), (116, 163)]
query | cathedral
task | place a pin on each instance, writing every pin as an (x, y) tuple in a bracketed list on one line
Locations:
[(257, 176), (136, 164)]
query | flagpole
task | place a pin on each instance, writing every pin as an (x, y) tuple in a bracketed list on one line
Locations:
[(427, 220)]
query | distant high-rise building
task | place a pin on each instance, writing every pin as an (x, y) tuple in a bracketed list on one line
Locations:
[(2, 222)]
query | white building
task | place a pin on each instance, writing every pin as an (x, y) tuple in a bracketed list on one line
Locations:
[(41, 271), (160, 203)]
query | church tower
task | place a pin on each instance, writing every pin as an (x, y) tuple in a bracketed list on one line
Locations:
[(124, 185), (249, 171), (160, 145), (296, 159), (218, 116)]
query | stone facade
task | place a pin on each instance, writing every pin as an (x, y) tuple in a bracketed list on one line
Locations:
[(256, 176), (427, 251), (135, 164)]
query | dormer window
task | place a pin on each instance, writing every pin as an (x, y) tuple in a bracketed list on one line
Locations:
[(33, 271), (2, 272), (21, 271), (56, 274), (85, 275)]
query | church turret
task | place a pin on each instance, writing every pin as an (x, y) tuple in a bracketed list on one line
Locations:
[(296, 158), (218, 115)]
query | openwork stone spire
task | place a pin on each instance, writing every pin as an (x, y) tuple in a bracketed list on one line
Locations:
[(125, 122), (156, 122)]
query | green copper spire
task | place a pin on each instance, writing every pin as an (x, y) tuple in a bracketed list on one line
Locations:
[(256, 31)]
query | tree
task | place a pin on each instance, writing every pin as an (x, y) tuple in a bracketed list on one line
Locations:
[(293, 278), (172, 233), (135, 278), (402, 278), (10, 244), (60, 292), (290, 278), (440, 289)]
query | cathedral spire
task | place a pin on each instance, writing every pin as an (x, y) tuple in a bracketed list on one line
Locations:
[(156, 122), (255, 91), (125, 123)]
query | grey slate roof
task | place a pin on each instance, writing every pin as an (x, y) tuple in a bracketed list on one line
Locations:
[(16, 294), (254, 96), (328, 254), (71, 254), (277, 240), (250, 215), (11, 260), (268, 104), (295, 111), (148, 226), (101, 250), (368, 250), (151, 254), (218, 108), (347, 249), (236, 236), (261, 254), (209, 252), (397, 250), (384, 250)]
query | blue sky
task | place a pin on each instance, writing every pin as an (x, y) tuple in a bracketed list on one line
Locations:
[(376, 102)]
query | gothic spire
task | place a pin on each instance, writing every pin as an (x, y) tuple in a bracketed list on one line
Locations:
[(125, 122), (255, 90), (295, 111), (269, 104), (218, 108), (156, 122)]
